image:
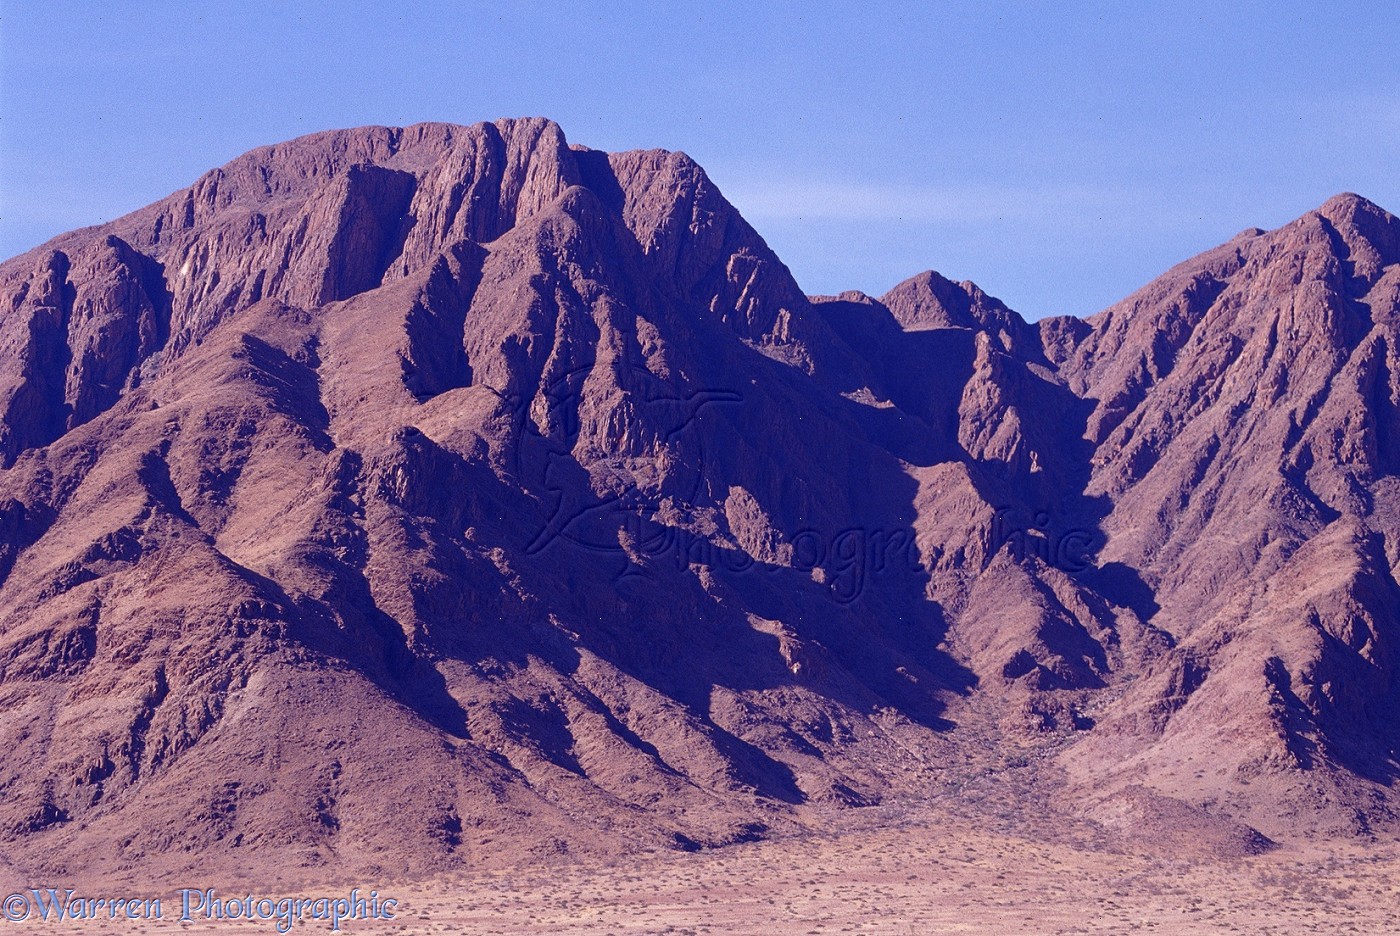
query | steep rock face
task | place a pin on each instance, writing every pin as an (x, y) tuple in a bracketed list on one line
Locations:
[(686, 228), (78, 329), (1243, 457), (530, 507), (508, 483), (328, 216)]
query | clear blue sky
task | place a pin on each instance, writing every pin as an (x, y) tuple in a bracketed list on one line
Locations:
[(1060, 154)]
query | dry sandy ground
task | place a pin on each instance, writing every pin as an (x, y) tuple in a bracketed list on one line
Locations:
[(920, 879)]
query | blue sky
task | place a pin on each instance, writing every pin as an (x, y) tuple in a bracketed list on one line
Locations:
[(1060, 154)]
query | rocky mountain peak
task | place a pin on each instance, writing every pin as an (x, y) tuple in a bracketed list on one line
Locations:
[(442, 495)]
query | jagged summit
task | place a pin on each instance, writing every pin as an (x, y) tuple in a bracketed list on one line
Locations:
[(329, 216), (425, 497)]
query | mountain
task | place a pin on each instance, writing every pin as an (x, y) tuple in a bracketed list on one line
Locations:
[(403, 499)]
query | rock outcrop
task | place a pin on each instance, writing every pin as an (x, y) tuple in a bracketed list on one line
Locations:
[(408, 498)]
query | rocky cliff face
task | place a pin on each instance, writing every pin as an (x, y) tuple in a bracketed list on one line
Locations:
[(404, 498)]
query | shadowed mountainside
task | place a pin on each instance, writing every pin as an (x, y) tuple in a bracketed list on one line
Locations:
[(424, 497)]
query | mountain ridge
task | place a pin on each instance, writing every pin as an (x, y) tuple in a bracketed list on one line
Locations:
[(535, 510)]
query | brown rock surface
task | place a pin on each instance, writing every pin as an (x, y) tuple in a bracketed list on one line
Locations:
[(423, 498)]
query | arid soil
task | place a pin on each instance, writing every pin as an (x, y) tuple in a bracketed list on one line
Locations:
[(921, 878), (903, 875)]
